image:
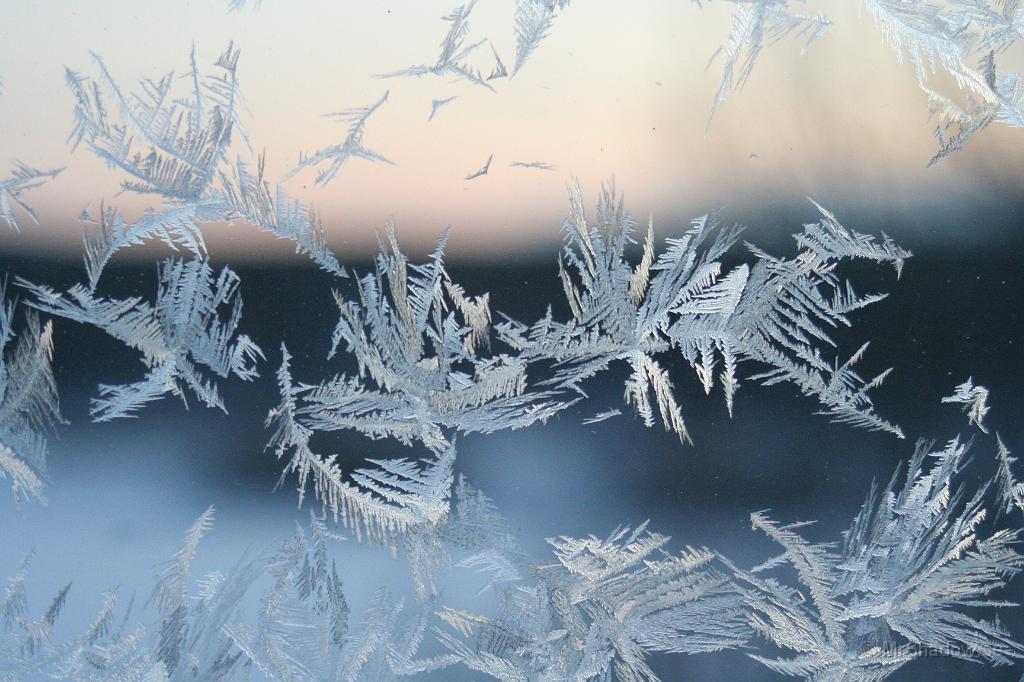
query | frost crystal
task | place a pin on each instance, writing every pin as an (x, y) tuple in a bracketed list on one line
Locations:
[(954, 37), (773, 312), (414, 335), (499, 70), (1009, 490), (975, 402), (451, 62), (601, 416), (913, 574), (438, 104), (182, 331), (962, 37), (920, 569), (910, 561), (188, 642), (22, 179), (353, 146), (22, 649), (276, 212), (28, 403), (381, 503), (178, 149), (191, 641), (599, 610), (539, 165), (533, 20), (303, 631), (425, 370), (482, 170), (756, 24)]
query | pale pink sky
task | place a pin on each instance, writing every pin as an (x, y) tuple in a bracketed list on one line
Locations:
[(617, 89)]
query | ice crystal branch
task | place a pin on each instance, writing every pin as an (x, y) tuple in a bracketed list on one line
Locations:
[(168, 147), (274, 211), (26, 639), (438, 104), (380, 503), (533, 21), (1009, 491), (414, 335), (962, 38), (601, 609), (897, 585), (397, 503), (774, 312), (755, 25), (975, 402), (23, 178), (181, 332), (188, 642), (480, 172), (28, 403), (179, 149), (303, 620), (498, 70), (917, 569), (602, 416), (452, 60), (303, 630), (191, 641), (352, 147), (539, 165)]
